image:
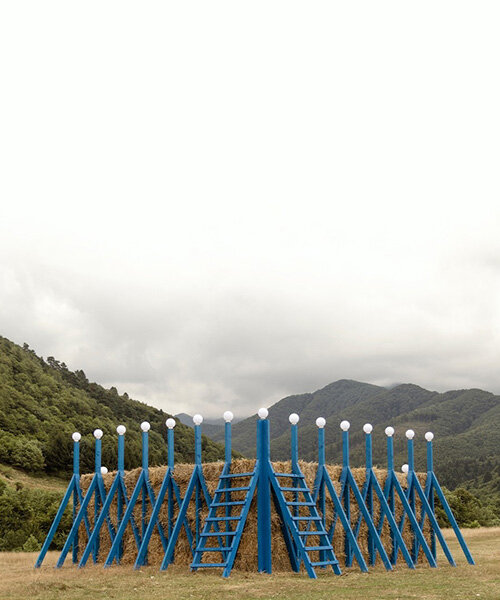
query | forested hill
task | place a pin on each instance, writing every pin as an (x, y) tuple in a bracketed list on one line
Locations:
[(466, 424), (42, 403)]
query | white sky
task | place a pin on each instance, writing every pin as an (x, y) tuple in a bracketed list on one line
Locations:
[(215, 204)]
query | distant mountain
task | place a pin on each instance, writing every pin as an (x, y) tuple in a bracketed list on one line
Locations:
[(210, 427), (466, 424), (42, 402)]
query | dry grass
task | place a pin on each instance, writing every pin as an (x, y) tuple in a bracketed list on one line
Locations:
[(18, 580)]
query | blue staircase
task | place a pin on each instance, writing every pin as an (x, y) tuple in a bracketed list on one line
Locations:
[(307, 531), (228, 527)]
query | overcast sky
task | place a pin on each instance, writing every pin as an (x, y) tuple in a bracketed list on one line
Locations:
[(212, 205)]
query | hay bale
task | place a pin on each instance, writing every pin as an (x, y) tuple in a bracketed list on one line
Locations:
[(246, 558)]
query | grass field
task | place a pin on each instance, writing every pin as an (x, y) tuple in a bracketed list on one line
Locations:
[(18, 580)]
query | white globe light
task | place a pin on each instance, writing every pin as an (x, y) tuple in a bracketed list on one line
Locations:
[(145, 426), (170, 423), (197, 419), (228, 416), (344, 425), (367, 427), (121, 429), (405, 468), (320, 422), (410, 434), (429, 436), (294, 418), (263, 412), (104, 470), (389, 431), (76, 436), (98, 434)]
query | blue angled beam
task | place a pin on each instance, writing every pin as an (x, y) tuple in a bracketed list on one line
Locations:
[(142, 488), (96, 491), (73, 490)]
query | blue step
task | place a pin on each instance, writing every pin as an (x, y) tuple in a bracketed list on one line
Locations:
[(301, 504), (322, 532), (235, 475), (294, 489), (316, 548), (306, 518), (217, 534), (229, 490), (217, 549), (223, 518), (323, 563), (199, 565), (238, 502), (293, 475)]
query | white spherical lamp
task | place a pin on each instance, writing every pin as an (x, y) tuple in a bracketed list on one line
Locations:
[(145, 426), (263, 413), (170, 423), (294, 418), (76, 436), (429, 436), (367, 428), (410, 434), (197, 419), (121, 429), (228, 416), (344, 425), (104, 470), (98, 434), (389, 431), (320, 422), (405, 468)]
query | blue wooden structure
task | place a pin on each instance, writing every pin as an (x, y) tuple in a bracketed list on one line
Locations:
[(392, 488), (72, 491), (118, 490), (433, 488), (323, 485), (371, 489), (144, 490), (170, 489), (291, 500), (198, 487), (302, 512), (97, 492)]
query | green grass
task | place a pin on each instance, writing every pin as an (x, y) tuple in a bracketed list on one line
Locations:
[(18, 580), (42, 481)]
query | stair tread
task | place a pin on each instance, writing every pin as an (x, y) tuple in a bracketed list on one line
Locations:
[(324, 562), (232, 503), (228, 490), (198, 565), (229, 475), (223, 518), (217, 533)]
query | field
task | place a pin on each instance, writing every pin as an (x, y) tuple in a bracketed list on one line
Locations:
[(18, 580)]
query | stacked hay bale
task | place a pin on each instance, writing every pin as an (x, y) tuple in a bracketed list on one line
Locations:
[(246, 559)]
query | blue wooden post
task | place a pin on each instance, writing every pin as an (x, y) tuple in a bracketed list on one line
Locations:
[(228, 417), (389, 432), (198, 419), (76, 475), (367, 428), (430, 491), (344, 425), (320, 423), (263, 495), (145, 470), (170, 465), (97, 462), (121, 429), (294, 419), (411, 489)]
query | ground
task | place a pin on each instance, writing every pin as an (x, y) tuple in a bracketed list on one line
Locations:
[(18, 580)]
